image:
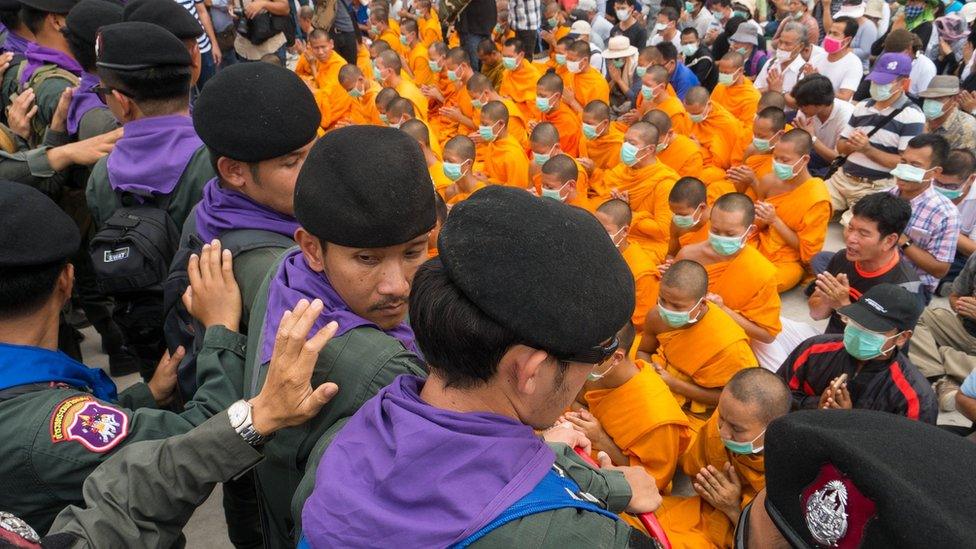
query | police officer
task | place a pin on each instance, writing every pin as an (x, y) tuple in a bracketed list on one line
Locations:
[(58, 418)]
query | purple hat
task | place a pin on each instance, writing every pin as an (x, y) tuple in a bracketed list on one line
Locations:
[(890, 66)]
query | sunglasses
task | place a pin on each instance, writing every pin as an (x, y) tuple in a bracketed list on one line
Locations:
[(104, 91), (594, 355)]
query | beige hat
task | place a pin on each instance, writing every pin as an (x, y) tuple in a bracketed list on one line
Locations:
[(580, 27), (941, 86), (852, 9), (968, 12), (874, 8), (619, 46), (750, 5)]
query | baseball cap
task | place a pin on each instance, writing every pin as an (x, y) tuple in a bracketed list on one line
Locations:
[(580, 27), (890, 66), (883, 308), (943, 85)]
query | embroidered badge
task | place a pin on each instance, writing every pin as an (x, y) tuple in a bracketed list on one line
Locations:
[(96, 426)]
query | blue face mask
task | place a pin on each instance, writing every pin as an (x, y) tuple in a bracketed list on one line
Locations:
[(589, 131), (452, 171), (540, 158), (690, 7), (678, 319), (619, 63), (742, 51), (628, 153), (377, 74), (932, 109), (640, 71), (560, 59), (742, 14), (718, 15), (864, 344), (555, 194), (487, 133), (881, 92), (477, 103), (726, 78), (909, 173), (356, 93), (453, 76), (384, 119), (509, 63), (785, 172), (727, 245), (434, 67), (951, 194), (744, 448), (690, 49), (647, 93), (544, 104), (698, 118), (403, 40), (685, 221)]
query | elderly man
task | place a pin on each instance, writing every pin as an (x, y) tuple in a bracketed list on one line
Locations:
[(783, 71), (940, 105)]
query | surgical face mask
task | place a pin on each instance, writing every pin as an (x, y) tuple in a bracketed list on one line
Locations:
[(909, 173), (690, 7), (544, 104), (619, 63), (453, 76), (726, 78), (509, 63), (727, 245), (453, 171), (689, 49), (487, 132), (560, 59), (396, 125), (911, 12), (640, 71), (685, 221), (613, 237), (662, 145), (798, 15), (477, 103), (864, 344), (555, 194), (499, 28), (951, 194), (785, 172), (742, 14), (763, 145), (553, 22), (384, 119), (590, 131), (677, 319), (932, 109), (434, 66), (718, 15), (574, 66), (647, 92), (742, 51), (697, 118), (744, 448), (593, 376), (660, 27), (356, 93), (404, 41), (832, 45), (622, 15), (377, 73), (373, 29), (783, 55), (881, 92), (540, 158), (628, 153)]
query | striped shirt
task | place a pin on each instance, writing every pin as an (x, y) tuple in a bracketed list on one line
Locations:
[(203, 41), (892, 138), (933, 227)]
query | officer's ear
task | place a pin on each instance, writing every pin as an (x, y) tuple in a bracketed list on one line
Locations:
[(522, 367), (65, 284), (312, 248), (234, 172)]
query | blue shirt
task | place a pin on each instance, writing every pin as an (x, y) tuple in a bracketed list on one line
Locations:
[(683, 80), (969, 385)]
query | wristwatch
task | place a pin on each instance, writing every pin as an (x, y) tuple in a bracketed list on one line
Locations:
[(239, 414), (906, 245)]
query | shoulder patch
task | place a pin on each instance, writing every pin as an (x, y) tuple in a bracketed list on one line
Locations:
[(96, 426)]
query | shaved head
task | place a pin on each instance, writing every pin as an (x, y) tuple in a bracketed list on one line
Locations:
[(545, 134), (659, 119), (348, 74), (457, 56), (772, 99), (763, 390), (732, 60), (659, 74), (550, 82), (597, 109), (495, 111), (384, 97), (417, 130), (644, 132), (686, 276), (390, 59), (800, 139), (478, 83), (775, 116), (440, 48), (378, 47), (398, 107), (462, 146), (561, 166), (617, 211), (737, 203), (580, 48), (689, 191), (697, 96)]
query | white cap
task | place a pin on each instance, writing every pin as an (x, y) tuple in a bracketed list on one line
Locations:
[(968, 12), (580, 28), (586, 5)]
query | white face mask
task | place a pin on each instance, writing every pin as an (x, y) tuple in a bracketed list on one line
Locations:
[(623, 15)]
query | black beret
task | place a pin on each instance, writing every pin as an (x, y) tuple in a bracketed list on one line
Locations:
[(365, 187), (256, 111), (50, 6), (136, 46), (890, 481), (88, 16), (544, 270), (33, 229), (165, 13)]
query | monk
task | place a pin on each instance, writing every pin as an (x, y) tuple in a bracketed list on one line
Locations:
[(557, 60), (757, 161), (388, 68), (319, 65), (654, 95), (645, 183), (741, 281), (481, 92), (587, 84), (678, 151), (417, 54), (544, 144), (616, 217), (505, 161), (520, 77), (456, 107), (442, 93), (458, 167), (713, 127), (492, 63), (631, 415), (601, 139), (689, 209), (556, 20), (381, 27), (551, 108), (362, 92), (400, 110), (419, 131), (734, 91), (428, 22), (793, 210), (383, 100), (726, 462), (559, 180), (365, 54), (693, 344)]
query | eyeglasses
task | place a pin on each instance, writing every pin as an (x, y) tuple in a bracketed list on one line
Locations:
[(104, 91)]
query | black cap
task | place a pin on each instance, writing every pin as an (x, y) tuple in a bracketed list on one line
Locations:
[(33, 229), (256, 111), (88, 16), (167, 14), (544, 270), (861, 478), (51, 6), (365, 187), (135, 46), (883, 308)]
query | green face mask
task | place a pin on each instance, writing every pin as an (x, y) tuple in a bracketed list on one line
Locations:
[(744, 448), (685, 221), (589, 131), (951, 194), (678, 319), (509, 63), (864, 344), (727, 245)]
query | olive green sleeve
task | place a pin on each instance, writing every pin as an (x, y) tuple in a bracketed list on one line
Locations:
[(250, 268), (137, 396), (48, 93), (144, 495), (220, 374), (101, 200), (96, 122)]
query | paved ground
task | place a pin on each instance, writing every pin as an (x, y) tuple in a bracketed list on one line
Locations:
[(207, 529)]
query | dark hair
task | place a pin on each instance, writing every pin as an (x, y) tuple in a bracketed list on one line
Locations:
[(667, 51), (156, 84), (889, 212), (460, 342), (960, 163), (690, 30), (938, 144), (82, 51), (814, 90), (32, 18), (632, 3), (850, 26), (10, 18), (23, 290), (669, 12)]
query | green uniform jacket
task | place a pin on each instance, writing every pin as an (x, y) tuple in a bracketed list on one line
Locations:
[(361, 361), (43, 469), (103, 201)]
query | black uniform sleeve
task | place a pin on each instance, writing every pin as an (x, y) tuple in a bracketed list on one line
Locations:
[(793, 372)]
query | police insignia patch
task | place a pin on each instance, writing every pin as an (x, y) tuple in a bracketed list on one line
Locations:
[(96, 426)]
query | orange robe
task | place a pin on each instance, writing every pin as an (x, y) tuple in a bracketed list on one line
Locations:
[(604, 151), (693, 522), (648, 189), (363, 109), (567, 123), (517, 127), (335, 104), (582, 188), (805, 210), (430, 28), (644, 421), (519, 86), (698, 235), (747, 284), (718, 135), (461, 195), (411, 92), (671, 106), (322, 74), (741, 100), (707, 353), (506, 163), (683, 156), (417, 58), (441, 182), (646, 282), (392, 37), (590, 85), (446, 127)]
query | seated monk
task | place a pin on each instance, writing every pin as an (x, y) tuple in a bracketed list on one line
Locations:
[(319, 65), (793, 210), (557, 60), (382, 28), (587, 84), (428, 22), (741, 281), (678, 151), (693, 344), (616, 217), (629, 413), (417, 56), (725, 462), (654, 94), (758, 155), (601, 139), (645, 183), (551, 108), (458, 167), (480, 90), (505, 161), (419, 131), (493, 64), (399, 110), (559, 180), (457, 109), (544, 144), (713, 127), (689, 209), (734, 91), (383, 100), (366, 54), (520, 77), (442, 94), (363, 94), (388, 68)]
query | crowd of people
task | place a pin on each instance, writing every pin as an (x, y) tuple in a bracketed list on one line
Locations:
[(488, 272)]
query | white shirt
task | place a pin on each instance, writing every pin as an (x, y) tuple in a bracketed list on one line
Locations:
[(923, 71), (967, 214), (828, 131), (790, 74), (702, 21), (601, 30), (885, 20), (657, 39), (844, 74)]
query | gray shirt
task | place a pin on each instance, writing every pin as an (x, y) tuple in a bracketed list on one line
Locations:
[(343, 23)]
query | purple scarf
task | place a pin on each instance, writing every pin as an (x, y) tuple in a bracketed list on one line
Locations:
[(38, 56), (294, 281), (406, 474), (152, 154), (83, 100), (16, 43), (223, 210)]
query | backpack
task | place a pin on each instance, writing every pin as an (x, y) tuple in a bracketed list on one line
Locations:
[(179, 328), (45, 72)]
